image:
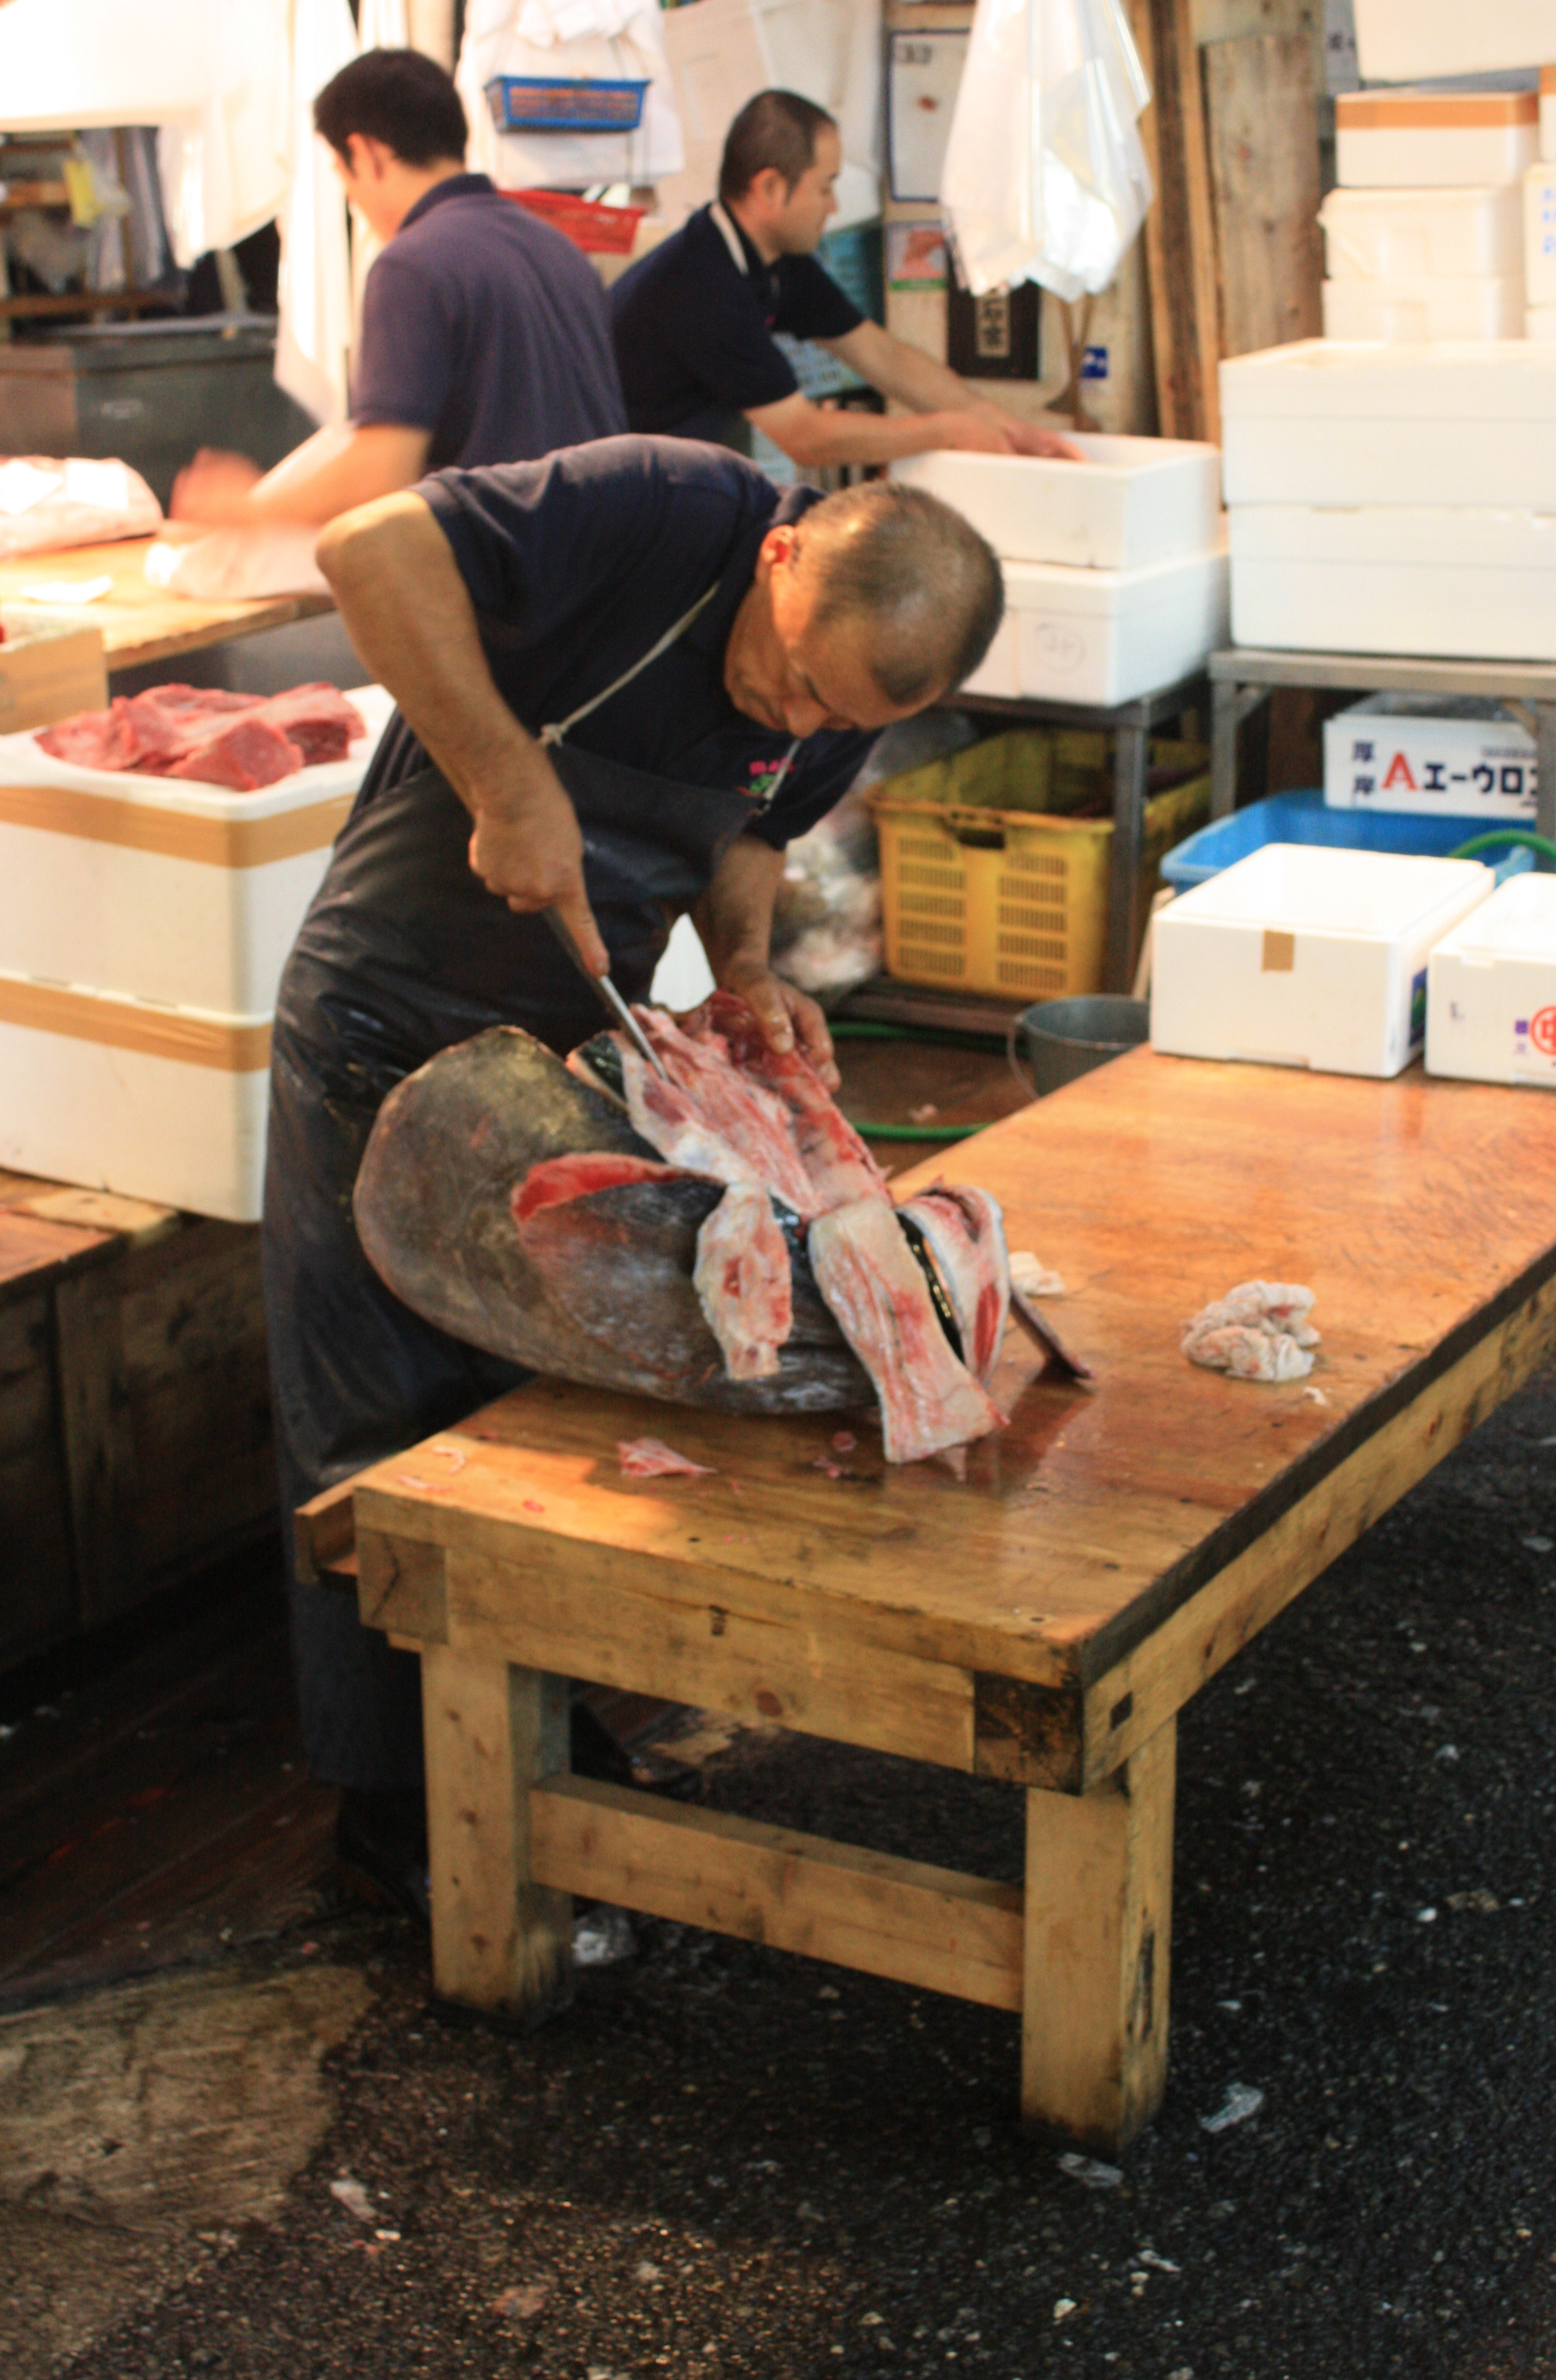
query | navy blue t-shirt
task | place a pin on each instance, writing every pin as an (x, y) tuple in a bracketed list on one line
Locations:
[(694, 332), (487, 328), (578, 564)]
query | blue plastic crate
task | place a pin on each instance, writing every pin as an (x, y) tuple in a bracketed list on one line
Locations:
[(1302, 818), (556, 103)]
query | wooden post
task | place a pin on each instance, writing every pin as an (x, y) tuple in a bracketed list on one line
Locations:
[(1098, 1935), (1262, 130), (1180, 232), (499, 1942)]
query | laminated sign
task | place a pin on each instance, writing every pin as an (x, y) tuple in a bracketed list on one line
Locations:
[(1462, 758)]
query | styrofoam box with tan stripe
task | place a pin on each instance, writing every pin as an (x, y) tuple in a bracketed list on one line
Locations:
[(135, 1096), (163, 890)]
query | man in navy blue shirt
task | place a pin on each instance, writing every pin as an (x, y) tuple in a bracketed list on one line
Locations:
[(694, 319), (697, 644), (485, 336)]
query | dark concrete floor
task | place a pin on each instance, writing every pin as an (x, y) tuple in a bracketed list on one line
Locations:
[(723, 2161)]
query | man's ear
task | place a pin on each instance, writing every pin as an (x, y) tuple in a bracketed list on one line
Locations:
[(778, 549)]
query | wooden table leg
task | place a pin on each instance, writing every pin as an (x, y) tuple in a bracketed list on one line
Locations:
[(499, 1942), (1099, 1934)]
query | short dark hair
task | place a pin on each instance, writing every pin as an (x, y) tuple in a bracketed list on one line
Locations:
[(777, 130), (396, 96), (929, 585)]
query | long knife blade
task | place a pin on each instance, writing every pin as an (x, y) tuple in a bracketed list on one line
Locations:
[(608, 996)]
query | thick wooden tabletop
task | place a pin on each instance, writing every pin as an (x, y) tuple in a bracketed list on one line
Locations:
[(140, 622), (1114, 1544)]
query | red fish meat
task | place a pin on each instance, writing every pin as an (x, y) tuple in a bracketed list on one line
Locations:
[(650, 1458)]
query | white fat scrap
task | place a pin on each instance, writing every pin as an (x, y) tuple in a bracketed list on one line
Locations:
[(1032, 1277), (965, 1233), (867, 1273), (1258, 1331), (743, 1282)]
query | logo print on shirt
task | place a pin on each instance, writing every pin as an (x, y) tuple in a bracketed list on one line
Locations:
[(763, 777)]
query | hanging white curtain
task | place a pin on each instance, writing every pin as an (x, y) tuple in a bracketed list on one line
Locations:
[(313, 343)]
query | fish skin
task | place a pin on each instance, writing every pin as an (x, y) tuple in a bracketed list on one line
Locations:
[(432, 1205)]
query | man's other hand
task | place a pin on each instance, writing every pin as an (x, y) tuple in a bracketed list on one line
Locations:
[(214, 490), (788, 1018)]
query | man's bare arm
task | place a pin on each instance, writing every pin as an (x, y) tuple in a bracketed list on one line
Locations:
[(910, 377), (329, 474), (813, 433), (409, 616)]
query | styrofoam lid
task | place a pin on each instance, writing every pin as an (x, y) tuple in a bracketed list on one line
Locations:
[(1457, 380), (1103, 450), (1073, 587), (1458, 198), (1426, 536), (1303, 888), (1518, 921)]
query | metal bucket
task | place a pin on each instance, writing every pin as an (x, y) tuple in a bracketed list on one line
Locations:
[(1058, 1040)]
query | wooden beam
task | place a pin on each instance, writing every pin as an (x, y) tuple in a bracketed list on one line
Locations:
[(324, 1537), (1262, 128), (1180, 232), (1132, 1701), (502, 1942), (927, 1926), (1098, 1952)]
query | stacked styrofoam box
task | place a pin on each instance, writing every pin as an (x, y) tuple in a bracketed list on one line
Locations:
[(1297, 957), (1423, 236), (144, 928), (1115, 570), (1491, 989), (1390, 498), (1539, 221)]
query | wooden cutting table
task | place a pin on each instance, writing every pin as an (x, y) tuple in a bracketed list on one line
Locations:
[(1043, 1622), (140, 622)]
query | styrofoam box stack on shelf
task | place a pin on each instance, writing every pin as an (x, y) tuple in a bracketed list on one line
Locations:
[(1423, 240), (1411, 41), (1539, 251), (1432, 756), (1115, 569), (1393, 500), (1547, 105), (1300, 957), (145, 925), (1491, 995)]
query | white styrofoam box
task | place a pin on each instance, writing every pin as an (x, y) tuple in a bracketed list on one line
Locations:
[(1540, 235), (1103, 635), (1325, 421), (1548, 111), (1419, 139), (1491, 989), (160, 889), (1300, 957), (1405, 41), (723, 52), (1404, 235), (1459, 756), (1425, 307), (1540, 323), (1134, 502), (1461, 584), (154, 1101)]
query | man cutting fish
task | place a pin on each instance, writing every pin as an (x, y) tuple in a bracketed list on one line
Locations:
[(628, 674)]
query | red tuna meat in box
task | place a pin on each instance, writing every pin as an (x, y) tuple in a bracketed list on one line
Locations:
[(247, 753), (318, 719), (94, 739)]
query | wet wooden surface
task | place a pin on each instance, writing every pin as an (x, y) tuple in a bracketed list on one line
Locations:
[(1417, 1210), (140, 622)]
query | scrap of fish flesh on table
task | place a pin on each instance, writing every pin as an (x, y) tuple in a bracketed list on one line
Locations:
[(718, 1235)]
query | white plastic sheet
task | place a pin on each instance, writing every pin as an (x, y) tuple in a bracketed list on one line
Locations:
[(1045, 177)]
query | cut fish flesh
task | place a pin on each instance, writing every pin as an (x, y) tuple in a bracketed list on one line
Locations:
[(742, 1282), (866, 1271), (650, 1458), (965, 1232)]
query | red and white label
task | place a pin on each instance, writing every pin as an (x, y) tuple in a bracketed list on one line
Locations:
[(1542, 1031)]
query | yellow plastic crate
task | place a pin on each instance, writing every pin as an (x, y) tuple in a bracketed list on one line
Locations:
[(1011, 901)]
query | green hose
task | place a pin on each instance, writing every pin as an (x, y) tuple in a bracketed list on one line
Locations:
[(933, 1037), (1540, 843), (915, 1131)]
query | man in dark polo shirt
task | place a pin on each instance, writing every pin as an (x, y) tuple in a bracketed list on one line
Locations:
[(659, 606), (694, 319), (485, 336)]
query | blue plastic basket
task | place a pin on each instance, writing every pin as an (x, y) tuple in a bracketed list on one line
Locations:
[(554, 103), (1302, 818)]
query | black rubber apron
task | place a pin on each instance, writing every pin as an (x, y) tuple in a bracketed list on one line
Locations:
[(403, 953)]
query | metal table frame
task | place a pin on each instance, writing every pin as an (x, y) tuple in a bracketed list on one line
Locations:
[(1132, 725), (1241, 678)]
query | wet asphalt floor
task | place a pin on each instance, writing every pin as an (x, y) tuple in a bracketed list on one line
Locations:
[(723, 2161)]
